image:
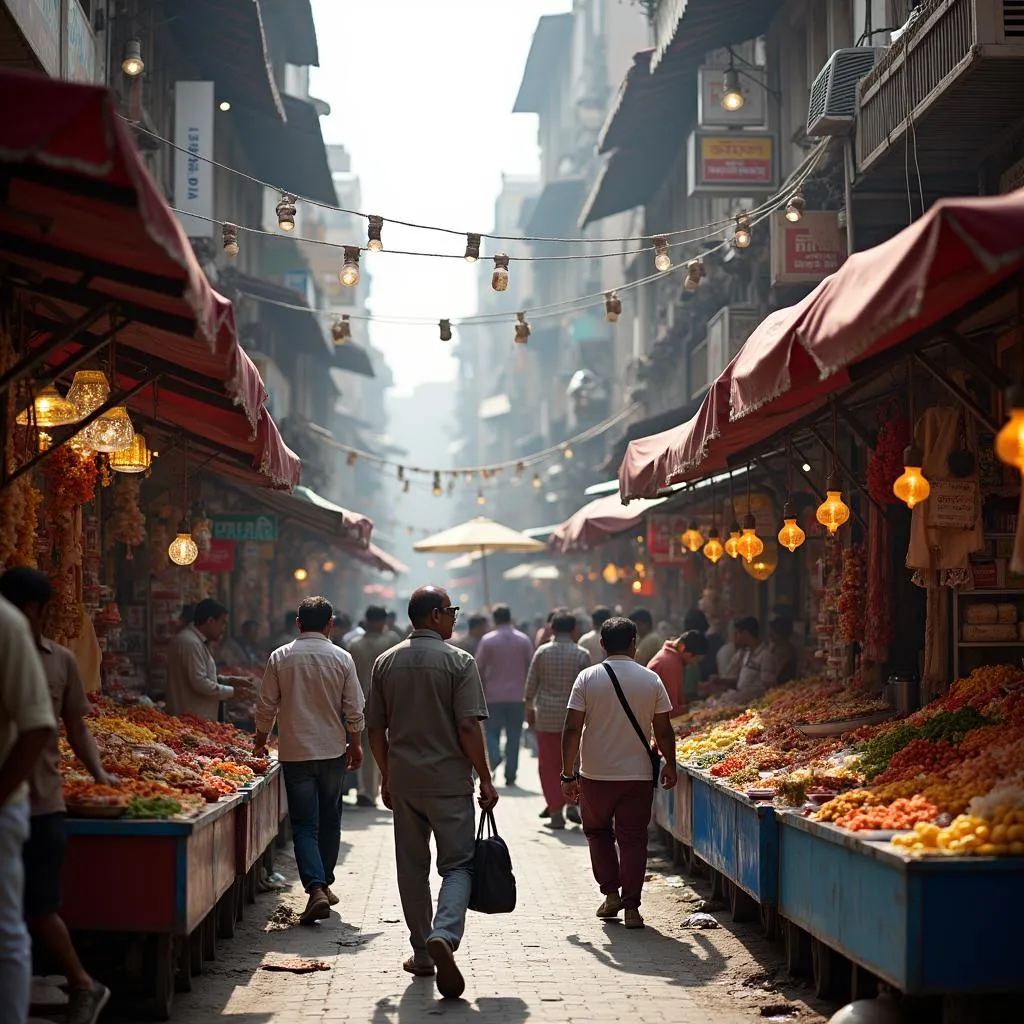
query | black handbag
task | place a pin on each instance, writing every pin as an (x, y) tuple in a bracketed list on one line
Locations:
[(494, 884), (651, 752)]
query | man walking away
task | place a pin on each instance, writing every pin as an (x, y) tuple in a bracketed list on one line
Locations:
[(476, 630), (311, 688), (365, 651), (29, 591), (27, 725), (503, 657), (615, 784), (193, 686), (553, 671), (677, 665), (591, 640), (648, 641), (426, 706)]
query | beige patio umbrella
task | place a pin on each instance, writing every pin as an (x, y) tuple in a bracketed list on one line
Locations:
[(483, 536)]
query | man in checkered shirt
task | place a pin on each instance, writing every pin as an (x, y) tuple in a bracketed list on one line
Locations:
[(553, 671)]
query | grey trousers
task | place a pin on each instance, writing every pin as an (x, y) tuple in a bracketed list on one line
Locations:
[(452, 820)]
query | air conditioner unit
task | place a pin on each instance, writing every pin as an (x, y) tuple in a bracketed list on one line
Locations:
[(833, 105), (728, 329)]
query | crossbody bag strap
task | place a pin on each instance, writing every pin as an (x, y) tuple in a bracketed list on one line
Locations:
[(625, 707)]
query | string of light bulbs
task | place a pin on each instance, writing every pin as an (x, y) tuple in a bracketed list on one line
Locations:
[(375, 223)]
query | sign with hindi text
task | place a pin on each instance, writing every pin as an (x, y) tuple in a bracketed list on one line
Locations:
[(731, 163), (809, 250), (245, 526)]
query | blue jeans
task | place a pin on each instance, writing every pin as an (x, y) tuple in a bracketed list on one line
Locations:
[(507, 715), (314, 791), (15, 949)]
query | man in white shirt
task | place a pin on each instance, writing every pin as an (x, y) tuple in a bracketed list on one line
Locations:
[(311, 688), (27, 724), (615, 783), (591, 640), (193, 686)]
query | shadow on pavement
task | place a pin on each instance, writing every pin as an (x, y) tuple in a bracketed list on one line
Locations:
[(420, 1000)]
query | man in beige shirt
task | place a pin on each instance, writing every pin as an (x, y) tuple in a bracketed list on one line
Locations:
[(193, 686), (365, 650), (311, 688), (30, 592)]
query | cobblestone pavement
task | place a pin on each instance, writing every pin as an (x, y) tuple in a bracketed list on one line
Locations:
[(552, 960)]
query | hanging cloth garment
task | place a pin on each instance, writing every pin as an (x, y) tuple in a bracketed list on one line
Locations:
[(940, 554), (86, 649)]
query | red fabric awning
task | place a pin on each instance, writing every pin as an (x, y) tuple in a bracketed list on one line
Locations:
[(83, 224), (598, 521), (797, 356)]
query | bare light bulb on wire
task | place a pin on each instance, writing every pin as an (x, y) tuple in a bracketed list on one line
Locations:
[(790, 536), (662, 259), (795, 207), (612, 306), (229, 239), (349, 273), (912, 487), (713, 549), (731, 544), (132, 63), (445, 329), (749, 545), (732, 90), (183, 550), (742, 238), (1009, 443), (285, 211), (341, 329), (499, 276), (694, 275), (522, 335), (437, 489), (373, 241), (472, 247), (833, 512)]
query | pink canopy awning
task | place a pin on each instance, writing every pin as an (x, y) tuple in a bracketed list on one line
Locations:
[(879, 298), (597, 522)]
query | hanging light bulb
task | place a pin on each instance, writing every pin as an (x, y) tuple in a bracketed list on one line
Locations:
[(749, 545), (732, 91), (229, 238), (468, 476), (537, 482), (438, 490), (833, 511), (522, 335), (499, 276), (612, 306), (349, 273), (568, 452), (1009, 443), (713, 550), (480, 499), (50, 409), (111, 432), (300, 575), (795, 207), (44, 441), (662, 259), (132, 63), (136, 458), (790, 536), (519, 469), (694, 275), (285, 211), (742, 238), (401, 472), (446, 329), (405, 487), (692, 539), (373, 243), (732, 544), (89, 390), (472, 247), (341, 329), (183, 550), (610, 573), (352, 458), (912, 487)]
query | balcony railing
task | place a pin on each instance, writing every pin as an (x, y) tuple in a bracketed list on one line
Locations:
[(952, 85)]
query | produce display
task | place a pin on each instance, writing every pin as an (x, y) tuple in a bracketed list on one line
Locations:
[(167, 767), (934, 775)]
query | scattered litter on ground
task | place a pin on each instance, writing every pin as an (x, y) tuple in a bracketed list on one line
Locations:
[(282, 919), (764, 980), (294, 965), (353, 941), (779, 1011), (700, 921), (673, 881)]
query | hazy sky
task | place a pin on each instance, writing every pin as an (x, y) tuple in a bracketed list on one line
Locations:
[(421, 95)]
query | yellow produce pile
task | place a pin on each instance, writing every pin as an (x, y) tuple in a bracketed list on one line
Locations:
[(991, 829)]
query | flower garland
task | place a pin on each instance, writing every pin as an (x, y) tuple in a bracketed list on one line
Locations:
[(72, 480), (886, 461), (128, 523), (851, 596)]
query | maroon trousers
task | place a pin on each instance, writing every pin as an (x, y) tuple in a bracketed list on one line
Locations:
[(617, 813)]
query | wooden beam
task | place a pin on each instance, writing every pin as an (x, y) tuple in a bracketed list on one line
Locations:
[(978, 361), (966, 399), (856, 427), (845, 470)]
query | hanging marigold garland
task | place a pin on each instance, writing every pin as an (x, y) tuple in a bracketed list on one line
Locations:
[(128, 522), (851, 596), (886, 461)]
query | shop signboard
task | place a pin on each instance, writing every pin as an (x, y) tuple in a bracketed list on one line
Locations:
[(731, 163), (245, 526), (220, 557), (953, 504), (809, 250), (40, 24), (193, 173), (81, 46)]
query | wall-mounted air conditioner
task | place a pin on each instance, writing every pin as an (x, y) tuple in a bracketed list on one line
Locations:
[(833, 105)]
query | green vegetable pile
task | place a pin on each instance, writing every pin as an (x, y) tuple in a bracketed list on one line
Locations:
[(706, 761), (152, 807), (950, 726)]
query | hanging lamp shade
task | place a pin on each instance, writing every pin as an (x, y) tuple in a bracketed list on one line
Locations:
[(790, 536), (833, 512), (112, 432), (136, 458), (89, 390), (749, 545), (51, 409)]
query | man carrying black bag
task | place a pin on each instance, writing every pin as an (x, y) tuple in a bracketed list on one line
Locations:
[(612, 710), (424, 717)]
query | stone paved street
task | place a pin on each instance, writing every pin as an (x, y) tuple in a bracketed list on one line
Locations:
[(552, 960)]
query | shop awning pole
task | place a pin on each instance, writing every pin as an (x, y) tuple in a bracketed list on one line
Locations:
[(958, 392)]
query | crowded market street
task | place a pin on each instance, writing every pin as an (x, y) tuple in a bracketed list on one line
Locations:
[(551, 961)]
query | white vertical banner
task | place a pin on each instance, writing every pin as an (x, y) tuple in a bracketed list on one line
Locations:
[(193, 177)]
